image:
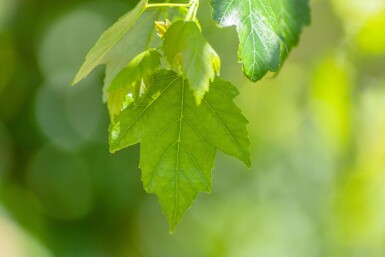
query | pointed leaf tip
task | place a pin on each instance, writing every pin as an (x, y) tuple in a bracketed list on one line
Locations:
[(96, 56)]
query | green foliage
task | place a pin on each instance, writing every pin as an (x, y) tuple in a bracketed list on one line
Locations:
[(108, 40), (131, 84), (182, 117), (266, 29), (185, 47), (139, 37), (179, 139), (292, 16)]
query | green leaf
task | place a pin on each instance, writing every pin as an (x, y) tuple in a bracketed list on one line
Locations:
[(132, 34), (185, 47), (108, 39), (292, 16), (138, 38), (179, 139), (133, 81), (267, 30)]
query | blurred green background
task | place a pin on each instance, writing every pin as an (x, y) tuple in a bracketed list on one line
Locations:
[(317, 184)]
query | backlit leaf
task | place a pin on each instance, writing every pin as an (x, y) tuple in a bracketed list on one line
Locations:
[(267, 30), (185, 47), (108, 40), (133, 81), (179, 139)]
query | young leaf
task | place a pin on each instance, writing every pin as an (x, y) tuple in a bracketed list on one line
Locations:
[(179, 139), (133, 80), (108, 39), (130, 35), (138, 38), (266, 30), (185, 47)]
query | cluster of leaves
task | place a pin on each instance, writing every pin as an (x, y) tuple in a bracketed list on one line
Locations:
[(163, 91)]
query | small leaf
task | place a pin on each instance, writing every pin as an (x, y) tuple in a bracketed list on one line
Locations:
[(185, 47), (179, 139), (133, 81), (130, 35), (267, 30), (139, 38), (108, 39)]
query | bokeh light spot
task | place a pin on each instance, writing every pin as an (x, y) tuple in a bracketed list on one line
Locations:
[(371, 38), (7, 9), (67, 41), (16, 242), (60, 183)]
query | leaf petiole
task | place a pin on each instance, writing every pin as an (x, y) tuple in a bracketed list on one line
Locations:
[(193, 9), (170, 5)]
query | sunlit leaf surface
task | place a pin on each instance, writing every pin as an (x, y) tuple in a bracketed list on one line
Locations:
[(179, 139), (267, 30)]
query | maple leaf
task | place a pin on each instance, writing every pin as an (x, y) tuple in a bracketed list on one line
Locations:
[(179, 139)]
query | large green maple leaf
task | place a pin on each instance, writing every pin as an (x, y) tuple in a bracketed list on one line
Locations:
[(179, 139), (267, 30)]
